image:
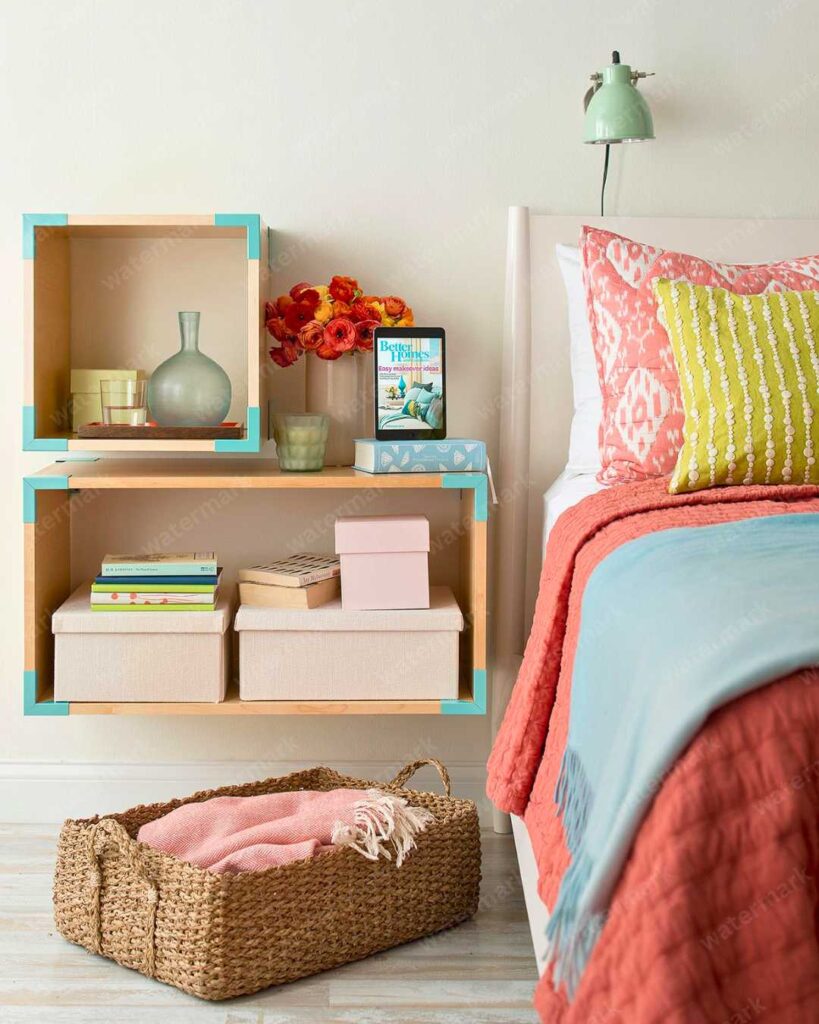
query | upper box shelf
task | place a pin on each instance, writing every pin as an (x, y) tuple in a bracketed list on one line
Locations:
[(103, 292)]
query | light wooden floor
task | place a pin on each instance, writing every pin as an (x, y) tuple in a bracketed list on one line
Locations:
[(480, 973)]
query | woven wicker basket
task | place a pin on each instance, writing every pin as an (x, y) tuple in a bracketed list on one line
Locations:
[(223, 935)]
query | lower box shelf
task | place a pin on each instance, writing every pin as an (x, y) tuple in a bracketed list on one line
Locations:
[(74, 512)]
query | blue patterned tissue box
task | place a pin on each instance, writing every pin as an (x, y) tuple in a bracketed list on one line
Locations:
[(456, 455)]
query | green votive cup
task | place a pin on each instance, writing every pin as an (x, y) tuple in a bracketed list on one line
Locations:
[(300, 440)]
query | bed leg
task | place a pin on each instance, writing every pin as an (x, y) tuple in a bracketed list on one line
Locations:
[(501, 822)]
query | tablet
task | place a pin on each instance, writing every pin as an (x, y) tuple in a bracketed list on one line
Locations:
[(410, 383)]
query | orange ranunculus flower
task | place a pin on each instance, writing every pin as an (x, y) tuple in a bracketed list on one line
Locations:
[(311, 336), (364, 334), (341, 309), (344, 289), (323, 312), (282, 303), (278, 328), (339, 335), (394, 306), (362, 311), (285, 354), (407, 320)]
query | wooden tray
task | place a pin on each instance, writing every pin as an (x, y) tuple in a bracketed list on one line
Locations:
[(152, 431)]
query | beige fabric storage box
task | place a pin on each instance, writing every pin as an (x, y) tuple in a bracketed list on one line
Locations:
[(328, 653), (139, 656)]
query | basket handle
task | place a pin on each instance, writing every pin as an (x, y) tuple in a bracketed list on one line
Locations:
[(108, 832), (410, 769)]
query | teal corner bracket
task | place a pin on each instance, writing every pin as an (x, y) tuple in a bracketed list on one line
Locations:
[(39, 220), (251, 222), (32, 484), (476, 706), (253, 441), (31, 706), (475, 481), (39, 444)]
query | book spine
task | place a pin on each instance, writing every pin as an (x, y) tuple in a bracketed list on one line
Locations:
[(316, 577), (186, 582), (158, 569), (155, 588), (152, 607), (138, 597), (304, 580)]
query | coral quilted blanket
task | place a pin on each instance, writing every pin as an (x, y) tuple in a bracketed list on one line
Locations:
[(715, 917)]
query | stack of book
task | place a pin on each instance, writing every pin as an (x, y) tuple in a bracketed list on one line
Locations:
[(454, 455), (156, 583), (300, 581)]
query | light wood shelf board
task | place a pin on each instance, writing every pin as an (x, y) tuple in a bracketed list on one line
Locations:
[(249, 473), (233, 706)]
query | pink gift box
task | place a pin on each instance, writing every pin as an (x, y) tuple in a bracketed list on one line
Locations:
[(384, 561)]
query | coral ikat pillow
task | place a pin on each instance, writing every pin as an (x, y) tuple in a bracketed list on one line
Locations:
[(641, 429)]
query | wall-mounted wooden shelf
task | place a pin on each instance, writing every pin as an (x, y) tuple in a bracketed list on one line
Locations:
[(48, 511), (102, 292)]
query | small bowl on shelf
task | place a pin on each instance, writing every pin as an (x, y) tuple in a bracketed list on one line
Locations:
[(301, 439)]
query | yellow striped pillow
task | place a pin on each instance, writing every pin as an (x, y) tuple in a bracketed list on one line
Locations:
[(749, 374)]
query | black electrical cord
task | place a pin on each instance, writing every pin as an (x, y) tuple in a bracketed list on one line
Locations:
[(605, 176)]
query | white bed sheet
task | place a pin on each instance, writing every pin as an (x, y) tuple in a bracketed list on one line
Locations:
[(566, 491)]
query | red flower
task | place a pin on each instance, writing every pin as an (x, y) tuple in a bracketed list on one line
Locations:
[(309, 296), (343, 289), (270, 311), (311, 336), (362, 311), (286, 354), (302, 292), (297, 315), (394, 306), (297, 288), (278, 328), (339, 335), (364, 334)]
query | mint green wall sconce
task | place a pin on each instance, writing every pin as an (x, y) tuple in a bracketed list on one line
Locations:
[(616, 111)]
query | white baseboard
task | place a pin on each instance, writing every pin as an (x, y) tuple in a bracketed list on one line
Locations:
[(47, 792)]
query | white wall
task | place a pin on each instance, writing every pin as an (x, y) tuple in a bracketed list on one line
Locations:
[(384, 139)]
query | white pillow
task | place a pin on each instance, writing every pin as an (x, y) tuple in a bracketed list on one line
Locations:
[(584, 449)]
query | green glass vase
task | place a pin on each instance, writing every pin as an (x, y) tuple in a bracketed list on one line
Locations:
[(190, 389)]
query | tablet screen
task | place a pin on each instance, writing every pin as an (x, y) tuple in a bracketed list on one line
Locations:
[(410, 383)]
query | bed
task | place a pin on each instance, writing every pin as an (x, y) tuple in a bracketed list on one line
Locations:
[(568, 489), (534, 445)]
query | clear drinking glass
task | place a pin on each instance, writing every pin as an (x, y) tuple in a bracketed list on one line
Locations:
[(123, 402)]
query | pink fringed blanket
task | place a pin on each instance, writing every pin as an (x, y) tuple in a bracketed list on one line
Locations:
[(714, 917), (253, 833)]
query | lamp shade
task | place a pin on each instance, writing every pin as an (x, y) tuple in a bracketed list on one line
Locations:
[(616, 111)]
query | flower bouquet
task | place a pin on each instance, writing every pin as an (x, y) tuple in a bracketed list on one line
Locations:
[(330, 320)]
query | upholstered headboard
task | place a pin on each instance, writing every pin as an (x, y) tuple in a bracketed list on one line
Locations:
[(537, 393)]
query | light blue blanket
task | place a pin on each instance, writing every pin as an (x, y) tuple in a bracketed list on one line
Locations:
[(674, 625)]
